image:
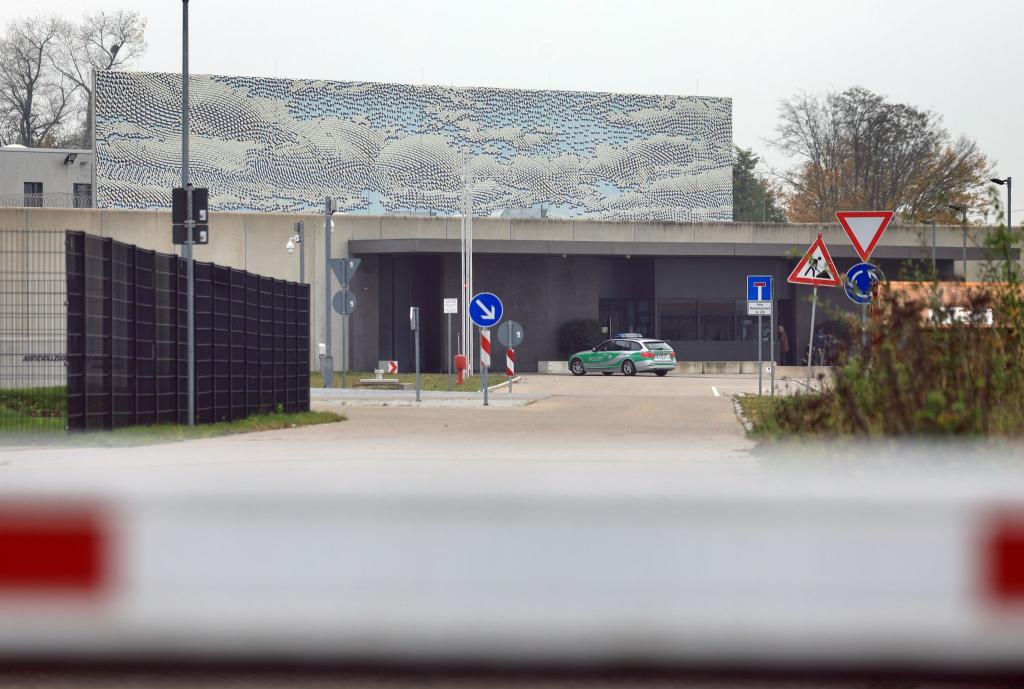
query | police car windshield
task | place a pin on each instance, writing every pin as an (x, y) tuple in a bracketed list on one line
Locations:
[(656, 345)]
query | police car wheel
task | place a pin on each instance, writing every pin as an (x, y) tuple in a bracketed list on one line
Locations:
[(661, 373), (628, 368), (576, 366)]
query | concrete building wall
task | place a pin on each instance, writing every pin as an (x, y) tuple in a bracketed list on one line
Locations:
[(46, 165)]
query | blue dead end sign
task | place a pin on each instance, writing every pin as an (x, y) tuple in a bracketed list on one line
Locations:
[(759, 288), (485, 309), (860, 281)]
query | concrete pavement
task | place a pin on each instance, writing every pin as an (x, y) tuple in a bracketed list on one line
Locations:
[(683, 420)]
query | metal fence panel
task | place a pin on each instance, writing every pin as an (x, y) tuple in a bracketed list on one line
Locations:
[(126, 338)]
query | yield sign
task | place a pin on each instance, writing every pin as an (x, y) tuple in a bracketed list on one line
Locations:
[(864, 228), (816, 268)]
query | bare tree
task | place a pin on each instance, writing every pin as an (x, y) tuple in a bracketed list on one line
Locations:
[(35, 97), (102, 40), (858, 151)]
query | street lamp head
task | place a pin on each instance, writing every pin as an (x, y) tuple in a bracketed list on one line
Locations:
[(998, 181), (290, 246)]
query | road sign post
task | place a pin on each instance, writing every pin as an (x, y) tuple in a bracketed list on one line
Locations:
[(414, 324), (510, 367), (759, 303), (485, 359), (510, 334), (816, 269), (485, 310), (450, 306), (771, 285), (344, 269), (810, 340), (760, 361)]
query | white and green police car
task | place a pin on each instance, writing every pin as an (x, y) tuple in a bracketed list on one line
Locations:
[(628, 353)]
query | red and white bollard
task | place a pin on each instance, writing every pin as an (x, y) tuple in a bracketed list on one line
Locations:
[(510, 366), (485, 359)]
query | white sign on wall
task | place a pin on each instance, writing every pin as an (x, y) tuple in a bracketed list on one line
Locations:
[(451, 305)]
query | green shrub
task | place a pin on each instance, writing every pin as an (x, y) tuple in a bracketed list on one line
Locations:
[(950, 376), (579, 334)]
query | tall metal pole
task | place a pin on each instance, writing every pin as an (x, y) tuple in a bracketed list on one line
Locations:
[(327, 363), (463, 277), (469, 250), (417, 336), (300, 227), (344, 332), (189, 224), (771, 321), (760, 361), (810, 340), (935, 270), (963, 227), (483, 369), (448, 350)]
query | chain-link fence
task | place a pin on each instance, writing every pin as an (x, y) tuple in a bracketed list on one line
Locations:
[(33, 315), (48, 200)]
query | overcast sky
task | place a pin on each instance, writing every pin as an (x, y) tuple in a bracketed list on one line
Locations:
[(961, 59)]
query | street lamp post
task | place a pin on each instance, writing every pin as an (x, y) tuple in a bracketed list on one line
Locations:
[(1008, 181)]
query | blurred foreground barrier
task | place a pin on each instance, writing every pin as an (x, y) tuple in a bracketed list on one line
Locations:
[(850, 574)]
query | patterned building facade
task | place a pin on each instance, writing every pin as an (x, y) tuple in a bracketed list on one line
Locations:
[(283, 145)]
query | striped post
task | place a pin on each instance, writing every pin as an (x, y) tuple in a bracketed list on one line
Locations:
[(485, 348), (510, 366), (485, 359)]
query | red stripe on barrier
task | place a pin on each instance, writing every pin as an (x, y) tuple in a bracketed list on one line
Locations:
[(49, 550), (485, 344), (1005, 560)]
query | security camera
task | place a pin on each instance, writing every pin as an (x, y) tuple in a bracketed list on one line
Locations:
[(290, 245)]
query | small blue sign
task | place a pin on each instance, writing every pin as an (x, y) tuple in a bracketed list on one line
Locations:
[(860, 281), (759, 288), (485, 309)]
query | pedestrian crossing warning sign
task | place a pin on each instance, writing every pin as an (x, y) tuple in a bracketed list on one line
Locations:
[(816, 268)]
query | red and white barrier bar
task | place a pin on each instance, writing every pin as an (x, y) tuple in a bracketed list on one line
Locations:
[(523, 566), (510, 362)]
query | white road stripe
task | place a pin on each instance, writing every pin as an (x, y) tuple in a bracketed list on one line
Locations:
[(715, 390)]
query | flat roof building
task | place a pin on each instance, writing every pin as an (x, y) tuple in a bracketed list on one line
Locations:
[(46, 177)]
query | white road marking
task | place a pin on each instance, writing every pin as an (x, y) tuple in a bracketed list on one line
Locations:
[(715, 390)]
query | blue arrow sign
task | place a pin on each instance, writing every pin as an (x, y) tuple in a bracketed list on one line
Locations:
[(860, 280), (485, 309), (759, 287)]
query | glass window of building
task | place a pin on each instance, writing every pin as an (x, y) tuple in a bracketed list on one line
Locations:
[(83, 195), (33, 194), (678, 320), (717, 321)]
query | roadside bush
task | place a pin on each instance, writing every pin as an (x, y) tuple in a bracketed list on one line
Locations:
[(578, 334), (950, 374)]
